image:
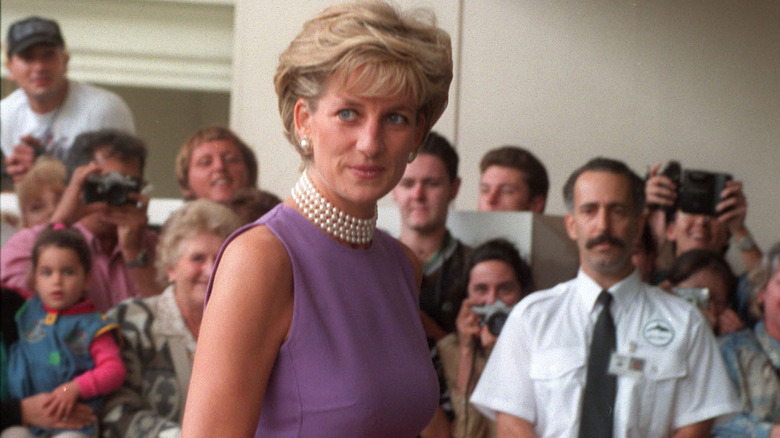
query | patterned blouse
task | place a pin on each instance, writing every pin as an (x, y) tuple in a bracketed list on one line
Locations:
[(158, 350), (752, 360)]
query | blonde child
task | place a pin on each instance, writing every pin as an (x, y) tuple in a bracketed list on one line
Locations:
[(66, 348), (40, 190)]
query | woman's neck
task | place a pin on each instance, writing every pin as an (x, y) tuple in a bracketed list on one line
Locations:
[(338, 224)]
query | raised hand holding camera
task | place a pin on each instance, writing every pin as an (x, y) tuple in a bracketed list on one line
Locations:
[(468, 323), (72, 207)]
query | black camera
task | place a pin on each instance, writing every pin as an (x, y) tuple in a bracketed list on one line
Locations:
[(493, 315), (112, 188), (698, 191)]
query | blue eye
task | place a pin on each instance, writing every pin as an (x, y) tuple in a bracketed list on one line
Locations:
[(346, 114)]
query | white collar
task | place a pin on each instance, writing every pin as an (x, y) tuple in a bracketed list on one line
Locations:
[(623, 292)]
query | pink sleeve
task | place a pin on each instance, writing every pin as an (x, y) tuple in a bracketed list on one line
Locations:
[(15, 257), (109, 372)]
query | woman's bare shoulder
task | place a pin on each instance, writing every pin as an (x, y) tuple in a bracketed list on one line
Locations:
[(253, 261)]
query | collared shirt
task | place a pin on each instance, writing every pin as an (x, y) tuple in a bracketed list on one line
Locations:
[(111, 283), (538, 367)]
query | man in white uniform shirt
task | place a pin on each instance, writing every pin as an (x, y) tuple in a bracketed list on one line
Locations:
[(670, 378), (48, 111)]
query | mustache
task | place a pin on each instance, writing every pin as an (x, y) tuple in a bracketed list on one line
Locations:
[(604, 238)]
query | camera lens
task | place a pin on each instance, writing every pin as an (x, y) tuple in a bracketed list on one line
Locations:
[(496, 322), (116, 195)]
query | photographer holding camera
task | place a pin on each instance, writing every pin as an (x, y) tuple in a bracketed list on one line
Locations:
[(106, 167), (693, 209), (496, 278), (686, 224)]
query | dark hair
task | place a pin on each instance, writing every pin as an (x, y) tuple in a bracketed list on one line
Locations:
[(601, 164), (61, 236), (504, 251), (647, 241), (116, 143), (440, 147), (251, 203), (521, 159), (696, 260)]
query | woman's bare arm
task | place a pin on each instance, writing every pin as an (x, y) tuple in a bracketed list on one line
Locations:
[(247, 319)]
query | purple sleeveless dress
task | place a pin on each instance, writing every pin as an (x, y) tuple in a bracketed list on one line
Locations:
[(356, 363)]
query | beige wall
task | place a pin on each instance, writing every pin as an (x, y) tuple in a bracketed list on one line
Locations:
[(642, 81)]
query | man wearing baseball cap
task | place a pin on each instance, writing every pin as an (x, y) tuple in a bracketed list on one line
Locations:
[(48, 111)]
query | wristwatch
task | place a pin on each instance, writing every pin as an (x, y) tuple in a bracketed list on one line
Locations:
[(141, 260), (745, 243)]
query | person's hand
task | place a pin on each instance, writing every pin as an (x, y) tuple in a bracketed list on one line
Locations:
[(659, 189), (729, 321), (22, 158), (661, 192), (61, 400), (71, 207), (467, 323), (486, 337), (34, 414), (130, 220), (733, 207)]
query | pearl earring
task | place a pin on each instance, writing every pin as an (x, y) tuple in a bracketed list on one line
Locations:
[(306, 145), (412, 156)]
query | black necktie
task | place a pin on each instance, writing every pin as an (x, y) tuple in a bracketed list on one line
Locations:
[(600, 388)]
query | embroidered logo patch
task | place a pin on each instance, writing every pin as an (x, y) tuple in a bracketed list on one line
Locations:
[(658, 332), (35, 333)]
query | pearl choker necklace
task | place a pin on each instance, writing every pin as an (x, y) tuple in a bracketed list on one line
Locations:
[(330, 219)]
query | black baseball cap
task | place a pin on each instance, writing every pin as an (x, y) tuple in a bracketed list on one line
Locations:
[(31, 31)]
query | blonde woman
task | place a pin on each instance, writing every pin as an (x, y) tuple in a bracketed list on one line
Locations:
[(312, 327)]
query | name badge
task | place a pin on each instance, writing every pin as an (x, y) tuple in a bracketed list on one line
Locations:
[(621, 364)]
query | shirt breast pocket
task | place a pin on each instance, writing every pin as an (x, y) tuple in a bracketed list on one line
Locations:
[(558, 376), (655, 390)]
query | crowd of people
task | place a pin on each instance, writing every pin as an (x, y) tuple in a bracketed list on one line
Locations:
[(310, 321)]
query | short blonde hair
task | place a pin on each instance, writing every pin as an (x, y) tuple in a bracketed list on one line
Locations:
[(393, 52), (47, 172), (207, 134), (196, 217)]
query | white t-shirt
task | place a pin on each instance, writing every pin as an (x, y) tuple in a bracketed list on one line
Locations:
[(86, 108), (538, 367)]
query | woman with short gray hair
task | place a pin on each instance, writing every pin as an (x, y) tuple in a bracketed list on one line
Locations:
[(159, 332)]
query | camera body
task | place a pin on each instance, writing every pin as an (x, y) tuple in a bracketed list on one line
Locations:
[(698, 191), (493, 315), (112, 188)]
